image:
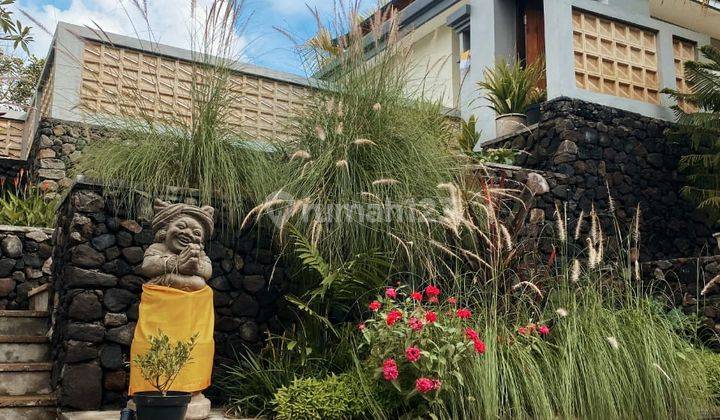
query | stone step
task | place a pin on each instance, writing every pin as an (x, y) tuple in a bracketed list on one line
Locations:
[(32, 407), (23, 322), (24, 349), (24, 378)]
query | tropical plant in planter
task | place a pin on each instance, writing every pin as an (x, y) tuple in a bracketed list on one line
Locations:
[(159, 366), (510, 89)]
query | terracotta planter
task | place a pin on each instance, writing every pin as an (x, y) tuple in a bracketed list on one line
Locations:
[(717, 238), (509, 123)]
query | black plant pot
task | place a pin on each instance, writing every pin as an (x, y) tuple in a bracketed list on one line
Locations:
[(155, 406), (533, 114)]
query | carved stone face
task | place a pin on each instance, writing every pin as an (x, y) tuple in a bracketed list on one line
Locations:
[(183, 232)]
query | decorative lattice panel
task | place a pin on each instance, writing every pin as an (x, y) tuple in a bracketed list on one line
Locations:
[(120, 81), (47, 98), (11, 135), (683, 51), (615, 58)]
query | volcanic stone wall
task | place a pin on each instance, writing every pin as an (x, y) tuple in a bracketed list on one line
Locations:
[(683, 280), (603, 149), (58, 145), (25, 263), (98, 285)]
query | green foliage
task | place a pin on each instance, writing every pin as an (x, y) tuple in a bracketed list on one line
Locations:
[(333, 397), (699, 124), (27, 208), (510, 88), (174, 156), (20, 78), (468, 136), (500, 155), (710, 363), (163, 361), (360, 145), (250, 382), (334, 290), (12, 29), (605, 359)]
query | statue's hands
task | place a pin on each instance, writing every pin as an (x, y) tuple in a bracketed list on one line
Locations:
[(189, 259)]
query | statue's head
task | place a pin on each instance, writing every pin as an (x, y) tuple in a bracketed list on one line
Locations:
[(179, 225)]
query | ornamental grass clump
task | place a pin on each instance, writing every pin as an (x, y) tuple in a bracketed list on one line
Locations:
[(364, 157), (169, 155)]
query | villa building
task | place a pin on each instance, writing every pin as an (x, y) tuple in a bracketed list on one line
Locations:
[(617, 53)]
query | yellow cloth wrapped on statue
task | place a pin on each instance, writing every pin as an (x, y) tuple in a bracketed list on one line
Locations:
[(179, 315)]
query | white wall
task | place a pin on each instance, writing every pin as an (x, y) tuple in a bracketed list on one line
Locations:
[(433, 66)]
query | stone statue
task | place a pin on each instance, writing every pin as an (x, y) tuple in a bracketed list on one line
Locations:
[(177, 258), (176, 299)]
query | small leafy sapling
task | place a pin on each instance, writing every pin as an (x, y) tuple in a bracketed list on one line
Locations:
[(162, 363)]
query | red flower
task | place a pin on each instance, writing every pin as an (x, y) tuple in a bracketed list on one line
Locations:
[(463, 313), (375, 306), (522, 331), (424, 385), (479, 346), (361, 326), (471, 334), (391, 293), (430, 316), (433, 299), (412, 354), (452, 300), (416, 296), (432, 291), (393, 317), (390, 370), (544, 330), (415, 324)]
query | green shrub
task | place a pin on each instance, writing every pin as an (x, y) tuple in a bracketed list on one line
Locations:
[(27, 209), (334, 397)]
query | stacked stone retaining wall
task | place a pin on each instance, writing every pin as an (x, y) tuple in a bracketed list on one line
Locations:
[(98, 285)]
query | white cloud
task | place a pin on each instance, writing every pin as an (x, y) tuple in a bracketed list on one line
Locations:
[(170, 21)]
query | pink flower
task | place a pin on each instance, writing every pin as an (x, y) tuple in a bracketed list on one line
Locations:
[(412, 354), (479, 346), (433, 299), (471, 334), (416, 296), (463, 313), (391, 293), (375, 306), (430, 316), (393, 317), (432, 291), (390, 370), (452, 300), (415, 324), (544, 330), (522, 331), (424, 385), (361, 326)]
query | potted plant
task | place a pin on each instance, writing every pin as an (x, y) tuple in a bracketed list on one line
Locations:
[(533, 110), (159, 366), (510, 89)]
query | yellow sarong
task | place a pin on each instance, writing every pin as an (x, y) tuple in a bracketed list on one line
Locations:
[(179, 315)]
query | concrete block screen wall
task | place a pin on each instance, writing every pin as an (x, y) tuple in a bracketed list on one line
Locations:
[(614, 53), (91, 77)]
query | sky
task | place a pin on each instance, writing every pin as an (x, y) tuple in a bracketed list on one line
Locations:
[(169, 21)]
